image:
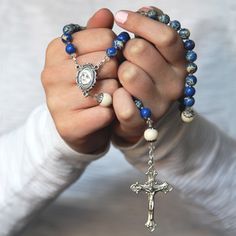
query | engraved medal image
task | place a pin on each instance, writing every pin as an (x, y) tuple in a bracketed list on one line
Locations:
[(86, 78)]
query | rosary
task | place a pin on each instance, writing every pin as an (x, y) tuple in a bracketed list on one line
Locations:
[(86, 77)]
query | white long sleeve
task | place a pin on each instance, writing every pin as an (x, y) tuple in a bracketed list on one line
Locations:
[(199, 160), (35, 167)]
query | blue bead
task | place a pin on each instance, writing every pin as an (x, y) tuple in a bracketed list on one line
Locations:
[(124, 37), (69, 29), (138, 103), (191, 68), (164, 19), (175, 25), (118, 44), (191, 56), (191, 80), (189, 101), (189, 91), (145, 113), (152, 14), (66, 38), (111, 52), (189, 44), (184, 33), (70, 48)]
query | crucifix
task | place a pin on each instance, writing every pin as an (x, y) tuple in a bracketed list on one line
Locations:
[(151, 187)]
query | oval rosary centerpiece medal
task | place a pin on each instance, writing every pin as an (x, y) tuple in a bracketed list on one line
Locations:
[(86, 78)]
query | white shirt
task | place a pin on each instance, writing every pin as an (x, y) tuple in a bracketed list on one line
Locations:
[(101, 202)]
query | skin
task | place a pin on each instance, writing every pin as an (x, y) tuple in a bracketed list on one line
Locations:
[(154, 72)]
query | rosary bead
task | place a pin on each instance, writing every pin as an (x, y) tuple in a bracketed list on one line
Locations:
[(189, 44), (69, 29), (191, 68), (184, 33), (78, 28), (175, 25), (189, 101), (164, 19), (150, 134), (70, 48), (191, 56), (191, 80), (111, 52), (124, 37), (153, 14), (189, 91), (138, 103), (187, 115), (66, 38), (145, 113), (118, 44), (104, 99)]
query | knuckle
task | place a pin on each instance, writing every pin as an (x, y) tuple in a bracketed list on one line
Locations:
[(168, 38), (126, 115), (136, 47), (46, 77), (52, 46), (127, 73), (107, 36)]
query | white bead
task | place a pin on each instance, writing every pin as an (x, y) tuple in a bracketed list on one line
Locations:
[(150, 134), (185, 118), (106, 100)]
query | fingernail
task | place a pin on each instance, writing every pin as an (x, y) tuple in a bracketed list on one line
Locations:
[(121, 17)]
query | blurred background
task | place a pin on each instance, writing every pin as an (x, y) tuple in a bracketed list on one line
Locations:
[(101, 203)]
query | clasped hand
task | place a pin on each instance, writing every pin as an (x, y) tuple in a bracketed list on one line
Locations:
[(153, 70)]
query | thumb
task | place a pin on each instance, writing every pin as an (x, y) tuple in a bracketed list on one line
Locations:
[(103, 18)]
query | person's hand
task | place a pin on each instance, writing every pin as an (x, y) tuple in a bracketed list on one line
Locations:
[(80, 121), (154, 72)]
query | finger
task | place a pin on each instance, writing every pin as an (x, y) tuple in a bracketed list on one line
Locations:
[(71, 98), (84, 122), (144, 55), (103, 18), (66, 73), (138, 83), (127, 115), (166, 40), (86, 41)]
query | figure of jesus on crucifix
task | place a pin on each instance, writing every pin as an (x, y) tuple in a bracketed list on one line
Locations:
[(151, 187)]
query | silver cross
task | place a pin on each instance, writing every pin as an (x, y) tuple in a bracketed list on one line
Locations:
[(151, 187)]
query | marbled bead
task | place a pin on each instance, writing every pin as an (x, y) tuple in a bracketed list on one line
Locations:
[(111, 52), (118, 44), (191, 56), (189, 91), (191, 80), (70, 48), (189, 101), (164, 19), (189, 44), (66, 38), (124, 37), (145, 113), (184, 33), (187, 115), (175, 25), (69, 29), (138, 103), (191, 68), (152, 14)]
